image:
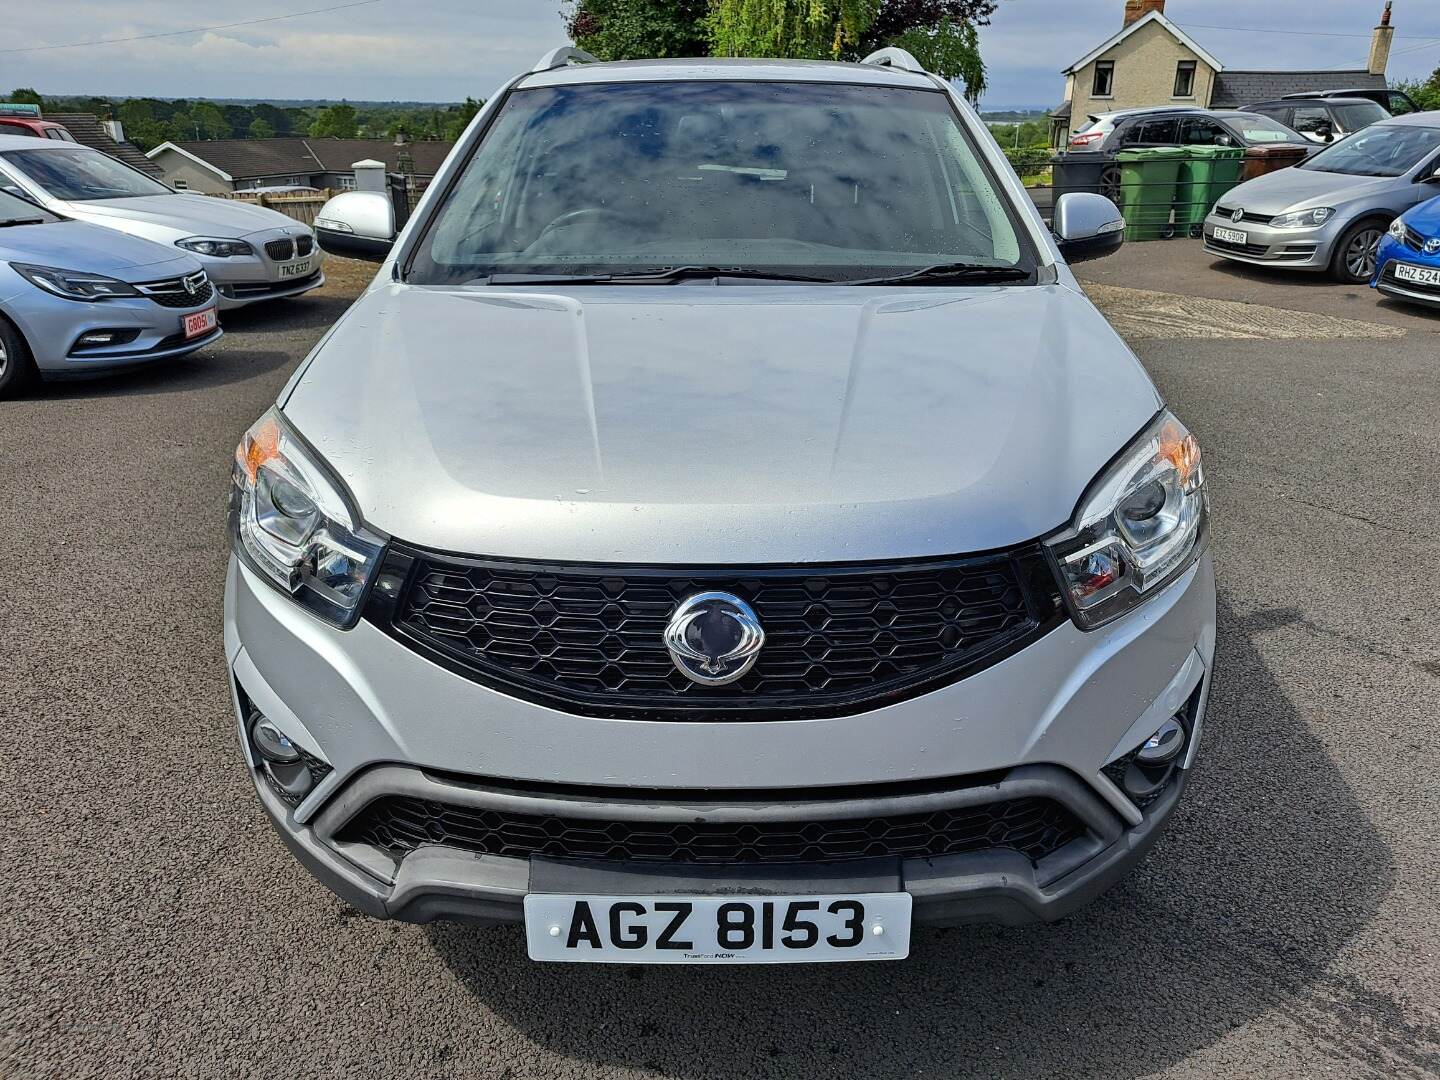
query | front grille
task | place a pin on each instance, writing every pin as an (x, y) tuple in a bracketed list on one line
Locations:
[(399, 824), (1413, 286), (304, 245), (173, 292), (280, 250), (1228, 212), (837, 639), (1254, 250)]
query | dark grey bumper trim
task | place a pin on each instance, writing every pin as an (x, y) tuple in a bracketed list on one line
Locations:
[(994, 886)]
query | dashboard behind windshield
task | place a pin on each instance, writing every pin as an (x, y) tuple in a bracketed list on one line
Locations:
[(834, 181)]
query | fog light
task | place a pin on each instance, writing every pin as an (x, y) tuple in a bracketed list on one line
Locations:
[(272, 743), (100, 339), (1165, 745)]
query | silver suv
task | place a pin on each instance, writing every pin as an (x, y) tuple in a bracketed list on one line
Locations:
[(723, 532)]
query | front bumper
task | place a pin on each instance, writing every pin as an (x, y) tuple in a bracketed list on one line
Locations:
[(251, 278), (1044, 723), (1391, 252), (1293, 249)]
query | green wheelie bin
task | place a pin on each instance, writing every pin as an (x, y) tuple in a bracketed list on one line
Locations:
[(1147, 190), (1206, 173)]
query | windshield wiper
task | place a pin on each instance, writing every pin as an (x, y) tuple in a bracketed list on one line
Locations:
[(665, 275), (5, 224), (949, 272)]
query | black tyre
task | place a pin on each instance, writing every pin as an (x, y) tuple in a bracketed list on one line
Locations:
[(15, 366), (1354, 259)]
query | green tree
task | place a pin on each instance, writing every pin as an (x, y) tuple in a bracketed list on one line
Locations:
[(804, 29), (638, 29), (211, 119), (182, 127), (26, 95), (335, 122), (458, 118), (260, 129)]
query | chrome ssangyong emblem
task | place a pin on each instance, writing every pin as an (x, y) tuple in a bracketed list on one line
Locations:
[(1238, 215), (714, 638)]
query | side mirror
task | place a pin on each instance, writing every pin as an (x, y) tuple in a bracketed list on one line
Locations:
[(1087, 226), (357, 225), (1432, 177), (1326, 132), (1224, 140)]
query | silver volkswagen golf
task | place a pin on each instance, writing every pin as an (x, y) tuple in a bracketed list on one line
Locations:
[(723, 533)]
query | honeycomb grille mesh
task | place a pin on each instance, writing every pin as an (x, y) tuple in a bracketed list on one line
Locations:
[(1035, 827), (832, 637)]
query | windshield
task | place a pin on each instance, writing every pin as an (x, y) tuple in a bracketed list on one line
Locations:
[(832, 181), (1387, 150), (1360, 115), (81, 174), (14, 210), (1254, 128)]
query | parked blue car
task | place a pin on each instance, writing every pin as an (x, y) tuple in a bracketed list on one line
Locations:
[(1407, 265)]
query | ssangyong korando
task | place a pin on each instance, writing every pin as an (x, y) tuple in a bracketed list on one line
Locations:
[(723, 532)]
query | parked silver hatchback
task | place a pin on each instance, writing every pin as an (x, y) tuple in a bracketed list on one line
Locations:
[(723, 532)]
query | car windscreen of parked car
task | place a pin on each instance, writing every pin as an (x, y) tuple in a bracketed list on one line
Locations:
[(17, 211), (1256, 129), (1385, 150), (833, 181), (81, 175)]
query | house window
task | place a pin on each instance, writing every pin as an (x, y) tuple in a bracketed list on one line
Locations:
[(347, 183), (1185, 78), (180, 185), (1104, 79)]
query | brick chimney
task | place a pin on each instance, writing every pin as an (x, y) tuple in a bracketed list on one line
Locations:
[(1380, 43), (1138, 9)]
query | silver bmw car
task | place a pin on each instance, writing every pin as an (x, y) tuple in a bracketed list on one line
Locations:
[(724, 532), (251, 253), (76, 299)]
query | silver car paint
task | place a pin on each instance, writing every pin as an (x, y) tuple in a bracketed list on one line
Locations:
[(1351, 197), (50, 324), (168, 218), (743, 424), (1077, 699)]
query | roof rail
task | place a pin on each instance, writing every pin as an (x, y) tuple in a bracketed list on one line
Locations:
[(896, 58), (562, 57)]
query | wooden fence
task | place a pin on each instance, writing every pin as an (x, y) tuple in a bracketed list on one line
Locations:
[(300, 205)]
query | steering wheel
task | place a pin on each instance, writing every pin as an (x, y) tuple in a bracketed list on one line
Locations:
[(577, 217)]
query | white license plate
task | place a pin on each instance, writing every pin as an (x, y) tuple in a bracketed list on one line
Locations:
[(295, 269), (1423, 275), (200, 322), (717, 929), (1231, 236)]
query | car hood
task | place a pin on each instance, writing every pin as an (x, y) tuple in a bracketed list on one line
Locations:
[(1298, 189), (742, 424), (1425, 218), (74, 245), (192, 215)]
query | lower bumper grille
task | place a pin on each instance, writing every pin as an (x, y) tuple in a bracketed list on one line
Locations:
[(250, 290), (1389, 278), (1255, 251), (1035, 827)]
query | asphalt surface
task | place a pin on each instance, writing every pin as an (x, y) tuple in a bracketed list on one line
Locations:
[(1287, 925)]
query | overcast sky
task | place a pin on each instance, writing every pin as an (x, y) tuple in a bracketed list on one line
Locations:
[(442, 50)]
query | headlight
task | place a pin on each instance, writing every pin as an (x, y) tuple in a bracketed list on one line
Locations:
[(217, 247), (1303, 219), (1141, 524), (291, 522), (74, 284), (1397, 230)]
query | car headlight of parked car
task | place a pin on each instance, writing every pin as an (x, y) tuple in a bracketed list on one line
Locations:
[(1397, 230), (291, 522), (1141, 525), (217, 247), (1303, 219), (74, 284)]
